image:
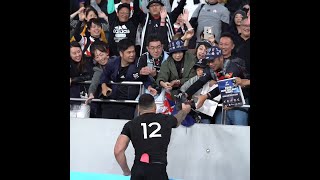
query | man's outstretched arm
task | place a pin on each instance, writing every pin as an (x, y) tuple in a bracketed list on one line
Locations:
[(181, 115), (119, 149)]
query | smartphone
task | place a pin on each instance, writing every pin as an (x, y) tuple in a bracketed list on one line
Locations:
[(207, 32), (150, 64)]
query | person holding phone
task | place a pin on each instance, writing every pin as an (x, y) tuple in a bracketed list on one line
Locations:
[(150, 62)]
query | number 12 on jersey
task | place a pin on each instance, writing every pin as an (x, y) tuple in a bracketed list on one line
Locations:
[(153, 134)]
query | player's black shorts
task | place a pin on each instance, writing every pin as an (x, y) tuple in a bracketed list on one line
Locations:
[(152, 171)]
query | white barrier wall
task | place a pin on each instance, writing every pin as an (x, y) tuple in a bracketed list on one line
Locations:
[(206, 152)]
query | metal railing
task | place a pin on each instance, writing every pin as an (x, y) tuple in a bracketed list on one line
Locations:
[(224, 112), (141, 91)]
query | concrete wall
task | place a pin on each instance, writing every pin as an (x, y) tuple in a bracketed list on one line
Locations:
[(201, 152)]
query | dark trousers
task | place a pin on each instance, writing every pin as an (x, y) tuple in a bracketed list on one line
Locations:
[(118, 110), (144, 171)]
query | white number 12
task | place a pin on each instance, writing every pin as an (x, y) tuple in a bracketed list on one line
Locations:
[(153, 134)]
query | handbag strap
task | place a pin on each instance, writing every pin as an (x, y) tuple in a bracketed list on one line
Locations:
[(200, 10)]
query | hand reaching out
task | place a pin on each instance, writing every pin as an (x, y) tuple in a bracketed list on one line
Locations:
[(166, 85), (201, 100), (145, 71), (175, 83), (212, 82), (185, 15), (88, 101), (152, 91), (106, 91), (227, 108), (81, 10), (163, 12), (188, 34), (81, 15), (153, 72), (103, 15)]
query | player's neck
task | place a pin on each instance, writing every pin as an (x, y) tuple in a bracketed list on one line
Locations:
[(147, 111)]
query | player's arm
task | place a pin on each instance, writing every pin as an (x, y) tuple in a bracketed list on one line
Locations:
[(119, 149), (181, 115)]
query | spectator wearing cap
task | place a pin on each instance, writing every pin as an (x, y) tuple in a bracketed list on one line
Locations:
[(219, 69), (177, 69), (123, 27), (166, 4), (158, 21)]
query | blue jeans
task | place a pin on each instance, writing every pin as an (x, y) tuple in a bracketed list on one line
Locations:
[(234, 117), (205, 121)]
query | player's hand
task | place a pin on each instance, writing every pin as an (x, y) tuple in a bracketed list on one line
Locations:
[(186, 107), (127, 173)]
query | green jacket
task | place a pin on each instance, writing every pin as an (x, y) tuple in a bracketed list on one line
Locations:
[(168, 71)]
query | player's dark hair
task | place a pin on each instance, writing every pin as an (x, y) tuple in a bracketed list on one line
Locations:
[(146, 101)]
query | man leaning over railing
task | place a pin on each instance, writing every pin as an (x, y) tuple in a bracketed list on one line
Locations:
[(120, 69)]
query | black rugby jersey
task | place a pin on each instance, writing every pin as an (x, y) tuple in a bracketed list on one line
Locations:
[(150, 133)]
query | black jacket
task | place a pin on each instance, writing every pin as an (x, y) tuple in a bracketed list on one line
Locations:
[(123, 29)]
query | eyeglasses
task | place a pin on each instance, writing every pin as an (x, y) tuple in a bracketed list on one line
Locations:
[(154, 48)]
